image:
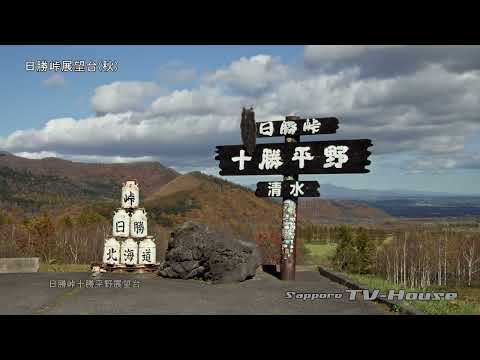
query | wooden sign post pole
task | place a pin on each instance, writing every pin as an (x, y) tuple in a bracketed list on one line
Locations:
[(289, 223)]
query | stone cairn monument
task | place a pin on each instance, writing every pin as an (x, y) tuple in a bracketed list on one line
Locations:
[(130, 248)]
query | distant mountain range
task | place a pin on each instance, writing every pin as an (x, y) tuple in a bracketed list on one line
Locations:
[(404, 203), (337, 192), (51, 183), (329, 191), (67, 187)]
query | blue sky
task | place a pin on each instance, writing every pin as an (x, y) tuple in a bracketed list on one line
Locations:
[(419, 105), (136, 63)]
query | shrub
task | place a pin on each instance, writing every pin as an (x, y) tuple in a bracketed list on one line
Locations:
[(355, 253), (269, 244)]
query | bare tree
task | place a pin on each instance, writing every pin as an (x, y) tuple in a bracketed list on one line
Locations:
[(471, 256)]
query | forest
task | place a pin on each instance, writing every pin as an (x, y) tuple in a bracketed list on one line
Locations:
[(412, 255), (415, 255)]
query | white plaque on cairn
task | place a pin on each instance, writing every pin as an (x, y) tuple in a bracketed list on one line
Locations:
[(111, 252), (138, 224), (147, 251), (121, 223), (130, 195), (129, 252)]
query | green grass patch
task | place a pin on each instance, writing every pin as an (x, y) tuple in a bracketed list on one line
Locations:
[(467, 303), (64, 268), (320, 254)]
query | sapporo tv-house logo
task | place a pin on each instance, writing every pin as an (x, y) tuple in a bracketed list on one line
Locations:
[(392, 295)]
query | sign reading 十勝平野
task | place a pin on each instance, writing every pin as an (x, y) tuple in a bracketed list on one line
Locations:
[(317, 157)]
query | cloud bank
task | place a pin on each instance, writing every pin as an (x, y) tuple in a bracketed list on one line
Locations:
[(418, 100)]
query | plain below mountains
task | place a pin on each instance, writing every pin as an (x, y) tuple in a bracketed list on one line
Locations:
[(409, 203), (401, 203)]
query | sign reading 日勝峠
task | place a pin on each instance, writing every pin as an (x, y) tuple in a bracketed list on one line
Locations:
[(312, 126)]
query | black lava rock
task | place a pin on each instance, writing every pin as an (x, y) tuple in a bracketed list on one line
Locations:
[(196, 252)]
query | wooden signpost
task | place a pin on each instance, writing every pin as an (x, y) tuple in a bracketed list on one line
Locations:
[(291, 159)]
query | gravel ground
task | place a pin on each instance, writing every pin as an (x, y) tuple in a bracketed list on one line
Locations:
[(150, 294)]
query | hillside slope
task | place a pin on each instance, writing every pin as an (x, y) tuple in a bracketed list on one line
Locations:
[(208, 199), (51, 183), (35, 184), (339, 211)]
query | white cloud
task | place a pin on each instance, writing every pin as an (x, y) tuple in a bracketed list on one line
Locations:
[(251, 75), (389, 61), (125, 135), (315, 54), (212, 170), (431, 112), (441, 164), (433, 165), (54, 81), (175, 75), (121, 96), (37, 155), (201, 101), (86, 158)]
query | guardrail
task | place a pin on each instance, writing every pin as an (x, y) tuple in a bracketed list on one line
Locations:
[(19, 265), (341, 279)]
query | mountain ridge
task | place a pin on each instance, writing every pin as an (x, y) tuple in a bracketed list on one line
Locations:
[(35, 184)]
